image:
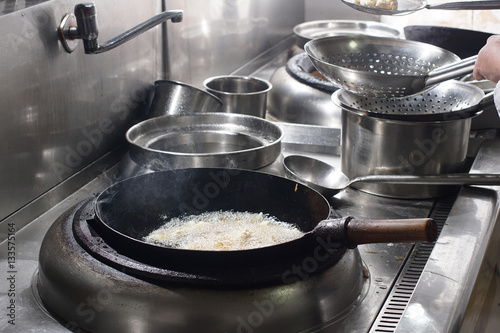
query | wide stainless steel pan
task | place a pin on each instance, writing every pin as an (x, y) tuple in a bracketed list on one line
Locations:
[(204, 140), (307, 31)]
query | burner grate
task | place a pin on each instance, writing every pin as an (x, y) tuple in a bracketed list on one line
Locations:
[(400, 295)]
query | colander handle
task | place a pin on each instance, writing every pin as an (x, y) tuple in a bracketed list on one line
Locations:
[(448, 72)]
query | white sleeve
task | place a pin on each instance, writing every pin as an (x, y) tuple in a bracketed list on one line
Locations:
[(496, 97)]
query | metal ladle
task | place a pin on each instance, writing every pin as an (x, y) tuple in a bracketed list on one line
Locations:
[(406, 7), (325, 179)]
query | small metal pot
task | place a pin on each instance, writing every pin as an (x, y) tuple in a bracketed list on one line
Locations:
[(173, 98), (240, 94)]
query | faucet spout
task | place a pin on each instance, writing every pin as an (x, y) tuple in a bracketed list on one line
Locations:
[(87, 30)]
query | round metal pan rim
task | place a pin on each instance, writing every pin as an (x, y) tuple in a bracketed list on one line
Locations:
[(347, 27), (266, 133), (472, 110), (265, 83), (133, 128)]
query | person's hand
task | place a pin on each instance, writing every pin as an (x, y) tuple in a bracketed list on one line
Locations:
[(488, 61)]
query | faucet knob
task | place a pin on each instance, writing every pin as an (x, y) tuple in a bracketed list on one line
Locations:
[(86, 19)]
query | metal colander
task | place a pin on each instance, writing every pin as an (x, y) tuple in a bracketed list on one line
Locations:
[(451, 98), (384, 67)]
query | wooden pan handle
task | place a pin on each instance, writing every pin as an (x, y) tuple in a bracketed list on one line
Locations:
[(391, 231)]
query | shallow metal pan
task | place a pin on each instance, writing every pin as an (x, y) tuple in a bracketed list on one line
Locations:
[(307, 31), (204, 140)]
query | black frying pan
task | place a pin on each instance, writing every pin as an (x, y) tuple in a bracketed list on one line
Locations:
[(464, 43), (131, 209)]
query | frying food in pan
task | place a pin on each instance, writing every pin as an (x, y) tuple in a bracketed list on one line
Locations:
[(223, 231), (128, 211)]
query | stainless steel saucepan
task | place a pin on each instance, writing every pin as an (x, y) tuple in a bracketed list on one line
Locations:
[(424, 134)]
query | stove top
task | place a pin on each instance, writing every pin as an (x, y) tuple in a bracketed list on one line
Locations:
[(382, 264), (435, 287), (84, 292)]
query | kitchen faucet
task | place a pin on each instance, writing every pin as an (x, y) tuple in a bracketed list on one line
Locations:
[(83, 25)]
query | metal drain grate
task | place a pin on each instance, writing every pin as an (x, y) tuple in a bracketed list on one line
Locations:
[(398, 299)]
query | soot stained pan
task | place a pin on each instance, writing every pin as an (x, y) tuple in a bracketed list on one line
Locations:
[(462, 42), (131, 209)]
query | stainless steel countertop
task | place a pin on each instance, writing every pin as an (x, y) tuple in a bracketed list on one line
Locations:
[(456, 281)]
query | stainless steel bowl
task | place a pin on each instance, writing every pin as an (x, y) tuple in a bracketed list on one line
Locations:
[(204, 140)]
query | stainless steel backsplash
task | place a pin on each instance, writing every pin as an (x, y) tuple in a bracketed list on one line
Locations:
[(218, 36), (61, 112)]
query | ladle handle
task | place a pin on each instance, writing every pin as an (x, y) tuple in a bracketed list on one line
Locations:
[(391, 231), (469, 5), (443, 179), (452, 71)]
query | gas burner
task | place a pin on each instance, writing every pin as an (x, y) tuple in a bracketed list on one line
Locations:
[(302, 69), (84, 282)]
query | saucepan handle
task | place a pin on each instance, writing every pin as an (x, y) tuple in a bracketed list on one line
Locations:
[(352, 232), (391, 231)]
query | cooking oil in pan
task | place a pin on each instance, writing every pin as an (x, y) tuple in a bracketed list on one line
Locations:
[(223, 231)]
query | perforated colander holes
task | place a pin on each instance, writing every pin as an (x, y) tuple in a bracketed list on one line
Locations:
[(371, 64), (379, 108), (344, 60)]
